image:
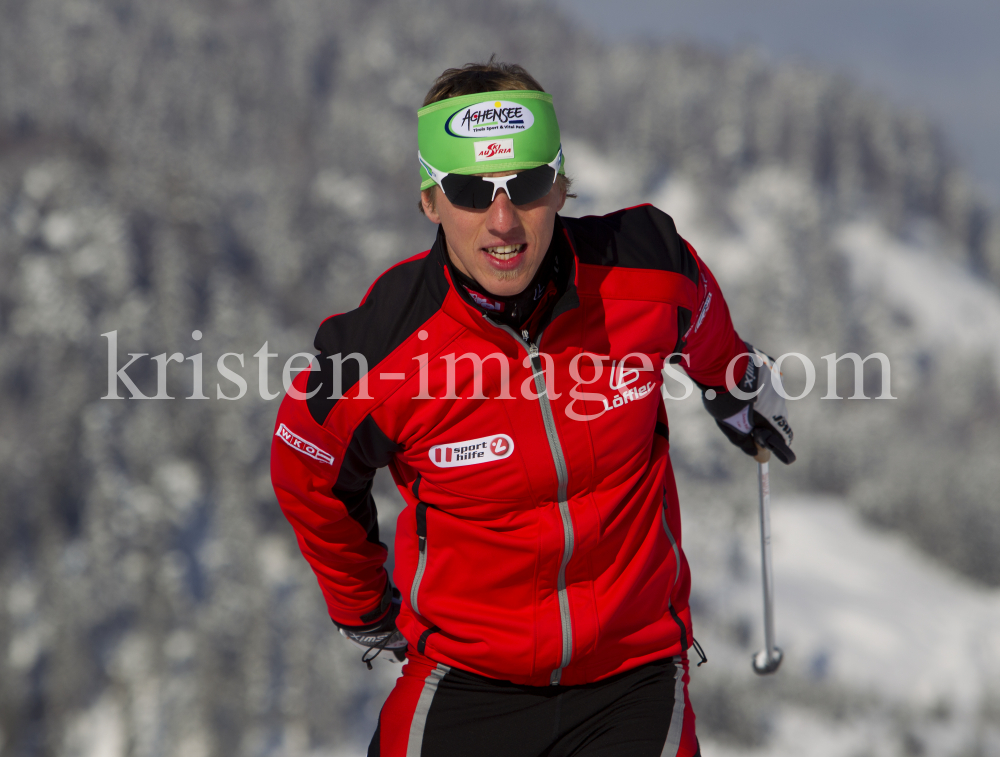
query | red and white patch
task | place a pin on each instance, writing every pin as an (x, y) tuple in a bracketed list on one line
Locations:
[(494, 149), (485, 302), (299, 444), (472, 452)]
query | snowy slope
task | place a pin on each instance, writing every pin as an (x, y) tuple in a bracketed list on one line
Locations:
[(865, 613), (872, 605), (950, 307)]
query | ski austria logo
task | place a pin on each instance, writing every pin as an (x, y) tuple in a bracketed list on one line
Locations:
[(296, 442), (483, 450), (493, 118), (494, 149)]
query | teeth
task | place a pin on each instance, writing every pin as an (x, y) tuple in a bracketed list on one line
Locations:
[(504, 252)]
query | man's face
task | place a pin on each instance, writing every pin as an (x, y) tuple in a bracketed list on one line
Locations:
[(499, 247)]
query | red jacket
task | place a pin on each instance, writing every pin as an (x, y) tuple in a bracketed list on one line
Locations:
[(541, 538)]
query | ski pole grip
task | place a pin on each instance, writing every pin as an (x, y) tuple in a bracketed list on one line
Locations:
[(763, 454)]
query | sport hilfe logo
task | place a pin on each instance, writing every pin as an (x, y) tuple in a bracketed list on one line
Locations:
[(492, 118), (494, 149), (486, 449)]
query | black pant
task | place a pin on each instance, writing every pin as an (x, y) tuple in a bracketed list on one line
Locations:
[(446, 712)]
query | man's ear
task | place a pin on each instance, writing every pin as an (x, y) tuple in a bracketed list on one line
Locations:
[(427, 204)]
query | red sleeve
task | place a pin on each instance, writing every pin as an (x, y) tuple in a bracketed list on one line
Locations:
[(711, 342), (335, 533)]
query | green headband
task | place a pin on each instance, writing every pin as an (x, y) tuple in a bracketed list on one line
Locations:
[(490, 131)]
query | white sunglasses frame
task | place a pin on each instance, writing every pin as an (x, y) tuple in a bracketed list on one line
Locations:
[(498, 182)]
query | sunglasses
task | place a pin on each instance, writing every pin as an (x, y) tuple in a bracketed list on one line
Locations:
[(479, 191)]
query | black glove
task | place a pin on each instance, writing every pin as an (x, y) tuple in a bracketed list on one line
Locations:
[(759, 421), (381, 634)]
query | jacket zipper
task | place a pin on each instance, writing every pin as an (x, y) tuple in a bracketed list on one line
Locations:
[(422, 557), (555, 446), (677, 562)]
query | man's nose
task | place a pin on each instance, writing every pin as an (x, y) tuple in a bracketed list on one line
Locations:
[(502, 216)]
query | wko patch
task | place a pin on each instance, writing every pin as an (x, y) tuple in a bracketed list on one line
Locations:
[(296, 442), (472, 452)]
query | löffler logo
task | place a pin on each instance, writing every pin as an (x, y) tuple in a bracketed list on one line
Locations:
[(620, 377), (486, 449), (625, 396), (299, 444)]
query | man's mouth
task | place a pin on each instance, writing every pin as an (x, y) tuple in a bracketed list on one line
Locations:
[(505, 251)]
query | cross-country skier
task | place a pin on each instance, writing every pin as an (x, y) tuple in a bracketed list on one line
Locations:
[(510, 379)]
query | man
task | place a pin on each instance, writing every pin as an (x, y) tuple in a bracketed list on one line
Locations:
[(509, 378)]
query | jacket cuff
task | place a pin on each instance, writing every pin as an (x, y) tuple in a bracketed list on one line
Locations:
[(721, 403), (374, 618)]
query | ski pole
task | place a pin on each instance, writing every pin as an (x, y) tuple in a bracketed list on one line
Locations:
[(767, 660)]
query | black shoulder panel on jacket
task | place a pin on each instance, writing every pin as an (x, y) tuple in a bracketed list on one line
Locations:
[(401, 300), (642, 237)]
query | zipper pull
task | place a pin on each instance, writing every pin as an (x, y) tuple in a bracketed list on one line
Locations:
[(532, 347), (700, 651)]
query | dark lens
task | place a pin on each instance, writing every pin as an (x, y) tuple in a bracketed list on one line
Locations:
[(476, 192), (467, 191), (531, 185)]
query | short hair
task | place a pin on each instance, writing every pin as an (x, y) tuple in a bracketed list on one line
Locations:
[(475, 78), (491, 76)]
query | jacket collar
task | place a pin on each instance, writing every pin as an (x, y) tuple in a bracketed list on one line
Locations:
[(461, 306)]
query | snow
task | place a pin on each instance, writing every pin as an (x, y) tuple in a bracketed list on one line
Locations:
[(801, 733), (602, 183), (98, 732), (889, 627), (949, 305), (888, 619)]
